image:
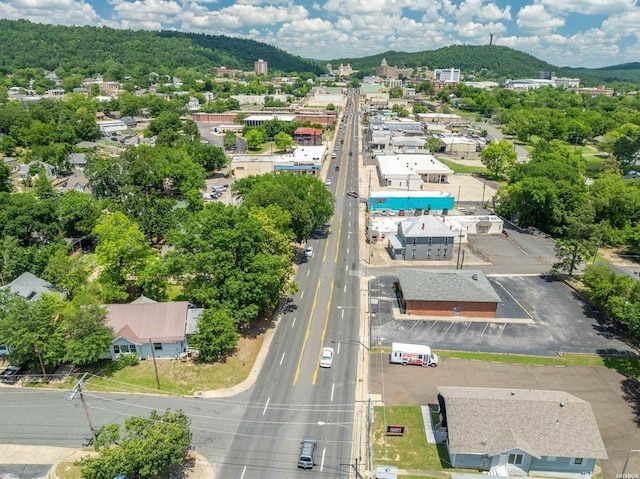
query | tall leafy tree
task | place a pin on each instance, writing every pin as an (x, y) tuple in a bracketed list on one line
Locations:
[(226, 260), (216, 335), (122, 251), (86, 334), (498, 158), (142, 448)]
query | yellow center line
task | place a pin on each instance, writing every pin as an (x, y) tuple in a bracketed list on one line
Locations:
[(306, 334), (324, 333)]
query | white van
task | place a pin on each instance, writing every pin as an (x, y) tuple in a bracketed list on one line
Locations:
[(418, 354)]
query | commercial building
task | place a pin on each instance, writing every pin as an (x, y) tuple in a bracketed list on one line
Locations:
[(422, 237), (411, 171), (260, 67), (448, 75), (391, 202)]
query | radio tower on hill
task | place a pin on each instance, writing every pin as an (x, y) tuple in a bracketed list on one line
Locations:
[(490, 39)]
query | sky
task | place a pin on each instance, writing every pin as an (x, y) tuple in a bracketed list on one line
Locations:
[(575, 33)]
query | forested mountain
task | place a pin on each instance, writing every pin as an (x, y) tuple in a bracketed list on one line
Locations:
[(486, 61), (116, 53), (626, 72)]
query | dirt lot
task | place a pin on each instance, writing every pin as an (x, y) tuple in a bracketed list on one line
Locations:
[(615, 399)]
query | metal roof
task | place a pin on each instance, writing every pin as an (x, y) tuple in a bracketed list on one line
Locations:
[(158, 322)]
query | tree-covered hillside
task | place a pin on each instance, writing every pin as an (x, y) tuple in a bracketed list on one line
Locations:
[(117, 53), (626, 72), (488, 62)]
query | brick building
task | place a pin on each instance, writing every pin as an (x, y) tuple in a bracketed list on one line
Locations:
[(439, 292)]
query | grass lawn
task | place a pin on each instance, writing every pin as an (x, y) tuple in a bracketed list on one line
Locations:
[(626, 365), (67, 470), (176, 376), (410, 451), (462, 169)]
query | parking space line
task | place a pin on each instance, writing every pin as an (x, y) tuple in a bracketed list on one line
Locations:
[(450, 326), (504, 326), (465, 329), (485, 328)]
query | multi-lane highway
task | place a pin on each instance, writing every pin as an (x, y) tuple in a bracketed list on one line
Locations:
[(256, 434), (294, 397)]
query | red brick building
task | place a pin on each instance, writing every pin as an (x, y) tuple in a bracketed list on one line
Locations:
[(307, 136), (439, 292)]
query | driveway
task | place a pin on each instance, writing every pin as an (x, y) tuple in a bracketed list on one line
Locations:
[(537, 316), (615, 399)]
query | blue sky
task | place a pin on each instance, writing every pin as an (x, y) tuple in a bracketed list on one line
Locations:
[(577, 33)]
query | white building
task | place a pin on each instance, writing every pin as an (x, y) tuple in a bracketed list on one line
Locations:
[(448, 75), (410, 172)]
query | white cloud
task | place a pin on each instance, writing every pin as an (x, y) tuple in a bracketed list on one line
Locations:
[(589, 7), (58, 12), (535, 18), (146, 13), (623, 25), (470, 10)]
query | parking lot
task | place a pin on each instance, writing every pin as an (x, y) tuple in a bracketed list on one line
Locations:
[(615, 399)]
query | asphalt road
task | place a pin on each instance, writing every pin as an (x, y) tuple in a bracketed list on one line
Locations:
[(293, 397)]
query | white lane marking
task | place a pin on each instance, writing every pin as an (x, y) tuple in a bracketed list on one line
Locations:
[(244, 469), (302, 295), (266, 405), (282, 358), (294, 322), (347, 250), (333, 386), (308, 271), (342, 314), (338, 349), (345, 288), (324, 449), (346, 267)]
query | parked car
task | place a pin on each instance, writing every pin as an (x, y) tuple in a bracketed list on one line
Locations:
[(326, 359), (12, 374), (308, 251)]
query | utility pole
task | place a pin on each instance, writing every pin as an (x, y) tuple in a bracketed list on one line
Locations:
[(459, 249), (78, 390), (155, 365)]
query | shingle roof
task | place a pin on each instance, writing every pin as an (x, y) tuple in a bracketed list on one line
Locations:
[(446, 285), (541, 423), (424, 226), (29, 286), (160, 322)]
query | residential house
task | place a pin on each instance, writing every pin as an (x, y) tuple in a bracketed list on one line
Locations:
[(78, 161), (150, 329), (29, 286), (308, 136), (11, 162), (519, 432), (24, 171), (422, 238), (442, 292), (76, 182)]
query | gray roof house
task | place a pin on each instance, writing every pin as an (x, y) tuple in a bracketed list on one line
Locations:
[(29, 286), (49, 170), (520, 432), (78, 161), (446, 292), (149, 328), (422, 238), (76, 182)]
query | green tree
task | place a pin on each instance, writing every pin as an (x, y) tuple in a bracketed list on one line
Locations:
[(226, 259), (255, 138), (121, 252), (32, 329), (77, 214), (305, 198), (68, 272), (216, 335), (229, 139), (498, 158), (142, 448), (5, 179), (283, 141), (433, 144), (86, 334), (43, 187)]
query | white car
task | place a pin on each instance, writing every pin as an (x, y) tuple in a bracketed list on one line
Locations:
[(308, 251), (326, 359), (327, 182)]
